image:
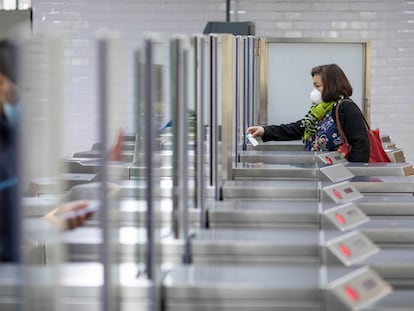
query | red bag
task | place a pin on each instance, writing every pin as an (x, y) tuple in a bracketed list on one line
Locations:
[(376, 151), (344, 149)]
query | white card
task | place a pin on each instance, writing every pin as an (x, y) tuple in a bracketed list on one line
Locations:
[(252, 140)]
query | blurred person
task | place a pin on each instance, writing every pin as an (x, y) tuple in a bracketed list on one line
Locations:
[(9, 239), (9, 192), (318, 129)]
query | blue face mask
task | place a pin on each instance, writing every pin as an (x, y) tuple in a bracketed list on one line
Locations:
[(11, 112)]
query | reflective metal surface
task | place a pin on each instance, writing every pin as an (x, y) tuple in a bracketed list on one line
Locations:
[(81, 284), (262, 213), (279, 157), (384, 184), (243, 189), (380, 169)]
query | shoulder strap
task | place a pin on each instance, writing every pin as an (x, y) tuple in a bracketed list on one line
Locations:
[(339, 126), (338, 123)]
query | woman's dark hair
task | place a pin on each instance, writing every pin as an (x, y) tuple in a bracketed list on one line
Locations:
[(8, 60), (335, 83)]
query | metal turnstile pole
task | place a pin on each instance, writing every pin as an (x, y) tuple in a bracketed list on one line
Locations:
[(199, 93), (104, 214), (179, 59), (213, 115)]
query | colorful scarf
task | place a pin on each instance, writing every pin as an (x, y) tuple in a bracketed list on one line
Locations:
[(315, 114)]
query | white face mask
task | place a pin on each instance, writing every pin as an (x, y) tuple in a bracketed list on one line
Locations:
[(11, 112), (316, 96)]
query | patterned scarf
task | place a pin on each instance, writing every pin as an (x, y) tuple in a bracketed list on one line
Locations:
[(315, 114)]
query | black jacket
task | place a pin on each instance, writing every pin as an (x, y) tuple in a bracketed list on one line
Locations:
[(9, 198), (352, 122)]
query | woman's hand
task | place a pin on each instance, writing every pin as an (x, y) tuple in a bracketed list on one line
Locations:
[(70, 215), (256, 131)]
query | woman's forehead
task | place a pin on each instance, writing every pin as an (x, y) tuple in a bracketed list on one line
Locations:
[(317, 79)]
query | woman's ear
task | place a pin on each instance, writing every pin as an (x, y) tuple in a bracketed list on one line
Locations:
[(3, 91)]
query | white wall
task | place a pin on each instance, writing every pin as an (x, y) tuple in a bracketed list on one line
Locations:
[(388, 24)]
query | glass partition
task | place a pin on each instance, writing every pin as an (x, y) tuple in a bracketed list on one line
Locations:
[(227, 92), (181, 114), (41, 89), (152, 133), (199, 95)]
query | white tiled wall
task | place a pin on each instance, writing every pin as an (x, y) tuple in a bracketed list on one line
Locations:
[(388, 24)]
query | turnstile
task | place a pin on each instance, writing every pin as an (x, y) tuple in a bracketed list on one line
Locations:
[(292, 249), (284, 188), (265, 288), (81, 285)]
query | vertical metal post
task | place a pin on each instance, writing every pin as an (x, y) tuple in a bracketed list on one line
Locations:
[(184, 130), (210, 111), (179, 52), (104, 214), (199, 61), (181, 115), (149, 152), (17, 224), (145, 144), (175, 97), (227, 10), (214, 135), (236, 101), (253, 81), (245, 91), (248, 81)]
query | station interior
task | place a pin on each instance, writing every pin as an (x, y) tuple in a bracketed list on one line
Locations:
[(185, 212)]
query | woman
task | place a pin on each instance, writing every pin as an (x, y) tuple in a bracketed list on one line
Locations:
[(318, 128), (9, 192), (9, 238)]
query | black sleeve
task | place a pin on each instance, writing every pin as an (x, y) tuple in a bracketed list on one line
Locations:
[(289, 131), (9, 195), (355, 130)]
